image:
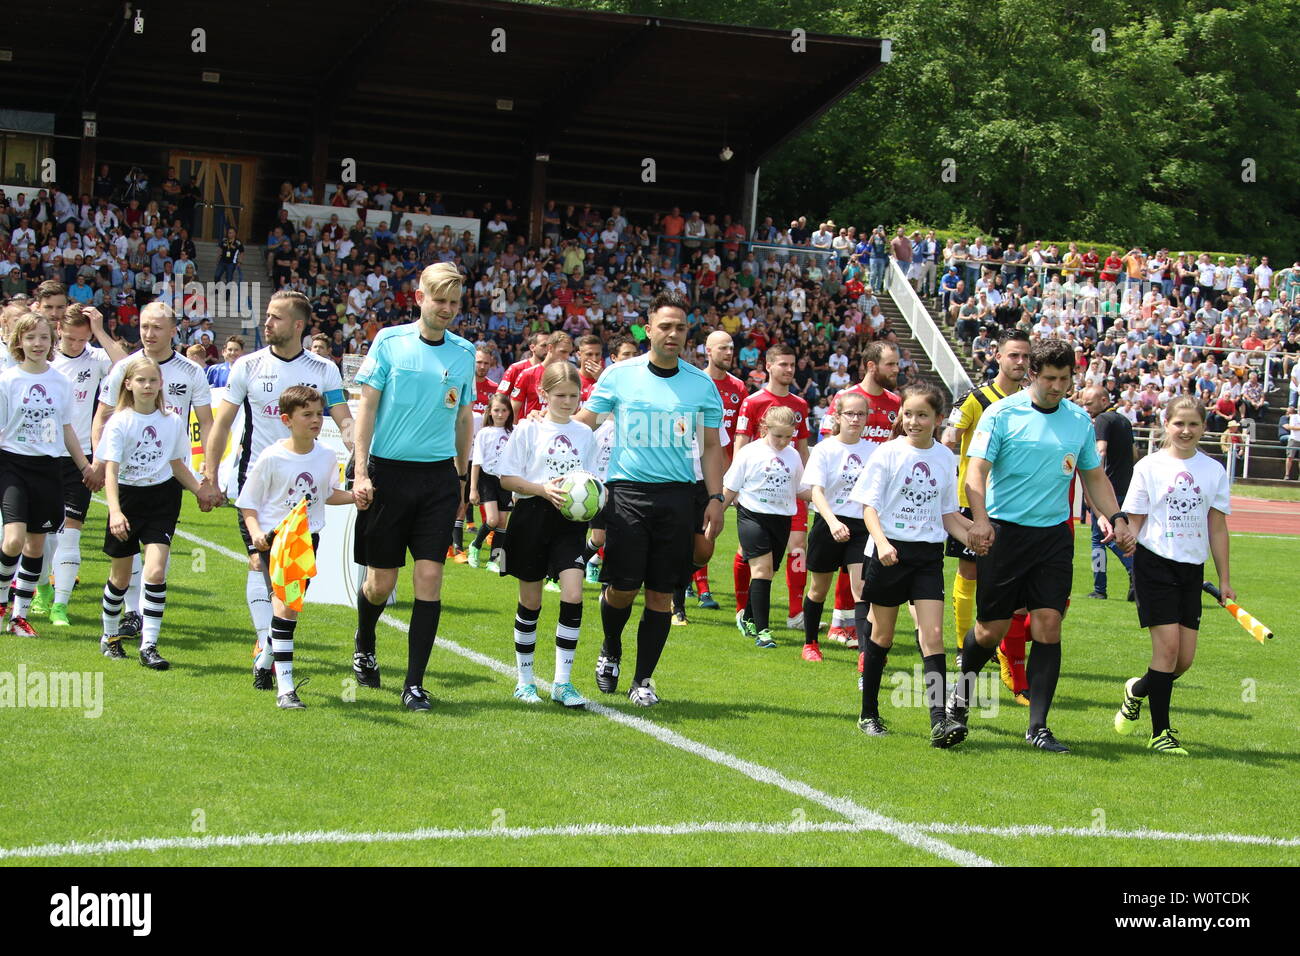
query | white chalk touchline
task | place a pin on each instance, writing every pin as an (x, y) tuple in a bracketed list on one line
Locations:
[(726, 827)]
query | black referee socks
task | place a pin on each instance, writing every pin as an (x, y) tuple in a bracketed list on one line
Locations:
[(651, 636), (613, 620), (419, 640), (367, 617), (1043, 670)]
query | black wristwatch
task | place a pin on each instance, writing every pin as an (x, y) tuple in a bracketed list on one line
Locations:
[(1117, 515), (717, 497)]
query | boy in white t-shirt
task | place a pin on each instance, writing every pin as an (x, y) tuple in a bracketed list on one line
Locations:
[(287, 471)]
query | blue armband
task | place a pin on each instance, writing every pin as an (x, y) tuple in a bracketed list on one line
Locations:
[(335, 396)]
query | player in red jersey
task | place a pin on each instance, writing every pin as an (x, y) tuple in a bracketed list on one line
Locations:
[(526, 396), (538, 346), (721, 350), (484, 389), (780, 375), (590, 363), (879, 378)]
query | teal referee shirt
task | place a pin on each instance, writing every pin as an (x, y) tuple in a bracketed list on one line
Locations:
[(424, 385), (1034, 455)]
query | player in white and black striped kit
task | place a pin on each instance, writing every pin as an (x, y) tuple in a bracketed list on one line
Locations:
[(185, 389), (85, 367), (256, 382)]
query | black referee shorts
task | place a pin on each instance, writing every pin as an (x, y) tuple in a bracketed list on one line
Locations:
[(826, 555), (1167, 592), (917, 576), (701, 505), (151, 512), (649, 535), (76, 496), (761, 533), (31, 492), (1026, 567), (542, 542), (955, 549), (414, 509)]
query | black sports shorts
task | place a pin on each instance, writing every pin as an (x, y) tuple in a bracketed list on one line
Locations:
[(1026, 567), (151, 511), (917, 576), (826, 555), (761, 533), (649, 535), (955, 549), (76, 496), (1167, 592), (31, 491), (542, 542), (414, 509)]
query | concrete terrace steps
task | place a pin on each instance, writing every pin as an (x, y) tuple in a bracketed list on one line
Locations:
[(254, 273)]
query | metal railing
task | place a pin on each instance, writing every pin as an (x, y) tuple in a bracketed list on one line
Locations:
[(950, 369)]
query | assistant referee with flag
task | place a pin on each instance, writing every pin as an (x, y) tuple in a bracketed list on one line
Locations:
[(412, 441)]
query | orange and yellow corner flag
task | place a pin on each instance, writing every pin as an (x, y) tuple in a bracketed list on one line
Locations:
[(293, 560)]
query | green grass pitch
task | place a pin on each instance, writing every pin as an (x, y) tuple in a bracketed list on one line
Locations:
[(753, 756)]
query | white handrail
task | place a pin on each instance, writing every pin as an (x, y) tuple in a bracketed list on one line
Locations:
[(946, 364)]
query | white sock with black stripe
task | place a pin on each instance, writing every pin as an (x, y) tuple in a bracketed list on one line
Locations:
[(8, 565), (133, 589), (566, 640), (282, 647), (151, 610), (111, 608), (525, 642), (29, 572), (259, 608), (67, 564)]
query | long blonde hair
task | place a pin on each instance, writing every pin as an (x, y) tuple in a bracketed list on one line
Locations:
[(125, 398), (1176, 405)]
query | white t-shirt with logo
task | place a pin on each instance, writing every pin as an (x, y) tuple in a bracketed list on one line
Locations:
[(836, 466), (604, 438), (281, 477), (541, 450), (1176, 495), (256, 382), (910, 488), (766, 479), (489, 443), (144, 446), (34, 407), (86, 373)]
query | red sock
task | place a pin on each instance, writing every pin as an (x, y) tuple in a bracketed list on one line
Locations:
[(844, 595), (601, 551), (1013, 646), (740, 574), (794, 583), (482, 513), (701, 580)]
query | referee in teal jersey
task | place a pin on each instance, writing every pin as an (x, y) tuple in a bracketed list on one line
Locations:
[(412, 441), (1023, 458), (661, 407)]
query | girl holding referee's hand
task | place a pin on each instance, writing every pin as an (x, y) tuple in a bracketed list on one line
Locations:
[(543, 543), (909, 496), (764, 478), (485, 483), (1178, 502)]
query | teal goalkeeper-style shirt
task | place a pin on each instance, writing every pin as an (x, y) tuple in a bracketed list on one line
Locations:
[(656, 418), (424, 385), (1034, 455)]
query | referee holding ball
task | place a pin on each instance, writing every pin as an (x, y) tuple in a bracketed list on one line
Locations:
[(1022, 461), (412, 438), (660, 405)]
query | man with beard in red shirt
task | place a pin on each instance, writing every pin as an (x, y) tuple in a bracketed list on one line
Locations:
[(721, 350), (538, 347), (879, 378)]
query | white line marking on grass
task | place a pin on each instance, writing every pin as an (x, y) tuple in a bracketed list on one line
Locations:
[(428, 834), (1270, 537), (868, 819)]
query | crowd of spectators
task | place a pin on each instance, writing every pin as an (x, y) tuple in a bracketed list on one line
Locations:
[(1145, 327)]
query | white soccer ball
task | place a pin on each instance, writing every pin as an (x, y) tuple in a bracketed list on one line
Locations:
[(584, 496)]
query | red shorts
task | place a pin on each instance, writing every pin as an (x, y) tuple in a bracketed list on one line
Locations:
[(800, 520)]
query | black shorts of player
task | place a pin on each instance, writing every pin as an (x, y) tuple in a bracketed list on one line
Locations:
[(414, 509), (955, 549), (762, 533), (151, 512), (1026, 567), (490, 490), (31, 491), (826, 555), (701, 505), (542, 542), (266, 559), (649, 535), (1167, 592), (918, 575), (76, 496)]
